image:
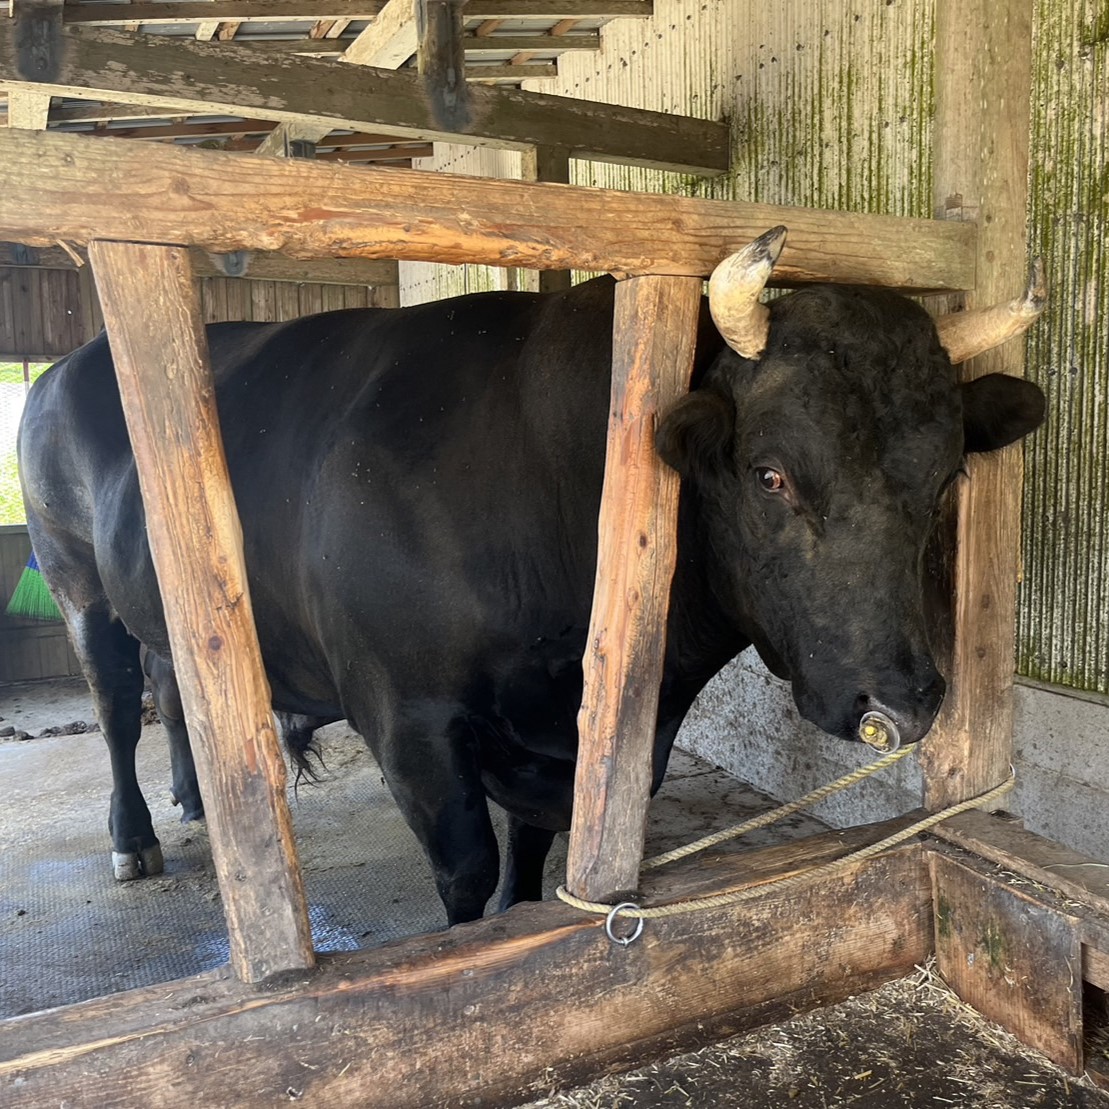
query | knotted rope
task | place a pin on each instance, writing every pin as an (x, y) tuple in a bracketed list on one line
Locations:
[(788, 881)]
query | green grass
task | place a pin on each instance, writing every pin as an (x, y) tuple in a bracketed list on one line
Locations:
[(11, 499)]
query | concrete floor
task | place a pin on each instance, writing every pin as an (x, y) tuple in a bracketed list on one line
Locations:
[(69, 931)]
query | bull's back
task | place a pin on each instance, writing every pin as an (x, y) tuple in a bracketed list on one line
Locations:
[(450, 451)]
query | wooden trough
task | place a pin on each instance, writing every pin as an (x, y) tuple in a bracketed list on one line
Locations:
[(479, 1013)]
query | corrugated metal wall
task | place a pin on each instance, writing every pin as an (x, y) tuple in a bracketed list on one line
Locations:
[(832, 107), (1064, 617)]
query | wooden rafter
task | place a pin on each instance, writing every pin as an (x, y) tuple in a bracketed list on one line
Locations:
[(232, 80), (311, 11)]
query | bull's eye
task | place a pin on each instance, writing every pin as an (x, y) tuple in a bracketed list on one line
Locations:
[(769, 480)]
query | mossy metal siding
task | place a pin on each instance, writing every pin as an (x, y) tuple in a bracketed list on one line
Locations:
[(831, 104), (1064, 613)]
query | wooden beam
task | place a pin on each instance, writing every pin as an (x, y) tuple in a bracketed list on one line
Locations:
[(233, 80), (983, 59), (168, 400), (56, 186), (280, 142), (442, 63), (247, 265), (28, 109), (312, 11), (198, 11), (545, 163), (496, 74), (536, 43), (1011, 955), (389, 41), (101, 113), (653, 339), (34, 27), (1078, 878), (453, 1018)]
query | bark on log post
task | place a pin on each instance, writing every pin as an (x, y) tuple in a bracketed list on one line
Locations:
[(165, 384), (983, 63), (654, 332)]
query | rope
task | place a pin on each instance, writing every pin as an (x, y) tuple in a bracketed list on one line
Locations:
[(782, 811), (749, 892)]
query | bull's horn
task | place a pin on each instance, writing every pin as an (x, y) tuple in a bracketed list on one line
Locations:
[(967, 334), (734, 290)]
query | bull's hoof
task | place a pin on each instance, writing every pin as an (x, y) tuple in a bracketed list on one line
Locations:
[(192, 808), (129, 865)]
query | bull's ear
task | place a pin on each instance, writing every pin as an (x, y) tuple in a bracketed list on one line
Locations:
[(998, 410), (695, 436)]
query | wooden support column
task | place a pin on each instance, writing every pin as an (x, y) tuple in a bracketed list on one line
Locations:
[(983, 81), (165, 385), (441, 59), (654, 333), (37, 28)]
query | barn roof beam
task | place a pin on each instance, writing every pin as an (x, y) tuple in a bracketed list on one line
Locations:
[(312, 11), (198, 77), (65, 187)]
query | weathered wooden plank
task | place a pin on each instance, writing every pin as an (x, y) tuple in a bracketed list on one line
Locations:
[(1074, 876), (168, 400), (35, 27), (1095, 967), (653, 339), (1013, 957), (389, 41), (546, 163), (28, 109), (452, 1018), (312, 11), (64, 187), (983, 59), (474, 45), (279, 142), (229, 79)]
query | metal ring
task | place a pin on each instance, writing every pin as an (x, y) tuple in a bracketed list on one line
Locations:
[(877, 730), (623, 941)]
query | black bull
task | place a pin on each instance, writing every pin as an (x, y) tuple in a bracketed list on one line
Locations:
[(419, 491)]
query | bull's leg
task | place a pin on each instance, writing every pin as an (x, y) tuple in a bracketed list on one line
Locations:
[(167, 700), (528, 847), (437, 786), (110, 659)]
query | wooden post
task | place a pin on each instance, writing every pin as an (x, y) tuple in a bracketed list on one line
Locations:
[(161, 355), (654, 333), (983, 82), (441, 59), (544, 163)]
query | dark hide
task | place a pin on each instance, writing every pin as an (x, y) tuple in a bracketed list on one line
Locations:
[(419, 492)]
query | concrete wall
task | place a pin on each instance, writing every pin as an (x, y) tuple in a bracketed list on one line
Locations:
[(745, 721)]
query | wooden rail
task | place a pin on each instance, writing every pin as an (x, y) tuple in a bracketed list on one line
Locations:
[(65, 187)]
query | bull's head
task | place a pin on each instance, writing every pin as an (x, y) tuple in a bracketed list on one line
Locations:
[(820, 445)]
